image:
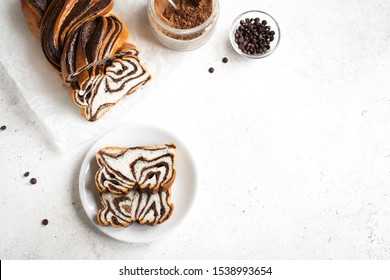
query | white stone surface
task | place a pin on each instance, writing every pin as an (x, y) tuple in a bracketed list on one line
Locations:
[(292, 150)]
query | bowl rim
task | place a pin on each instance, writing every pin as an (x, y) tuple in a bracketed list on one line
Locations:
[(232, 30)]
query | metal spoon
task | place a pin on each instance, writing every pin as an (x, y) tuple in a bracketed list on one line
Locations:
[(172, 3)]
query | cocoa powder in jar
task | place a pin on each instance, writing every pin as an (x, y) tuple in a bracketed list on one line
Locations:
[(189, 14)]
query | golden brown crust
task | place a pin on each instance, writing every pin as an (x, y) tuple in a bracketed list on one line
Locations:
[(32, 15), (64, 17)]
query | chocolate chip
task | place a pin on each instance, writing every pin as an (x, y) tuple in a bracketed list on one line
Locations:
[(211, 70), (33, 181), (3, 127), (26, 174), (45, 222), (264, 22), (225, 60)]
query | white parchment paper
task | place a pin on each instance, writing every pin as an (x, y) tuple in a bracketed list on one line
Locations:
[(21, 55)]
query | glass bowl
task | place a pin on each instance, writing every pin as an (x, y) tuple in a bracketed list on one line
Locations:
[(271, 22)]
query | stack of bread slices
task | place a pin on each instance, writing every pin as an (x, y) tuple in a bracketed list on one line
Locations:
[(135, 184)]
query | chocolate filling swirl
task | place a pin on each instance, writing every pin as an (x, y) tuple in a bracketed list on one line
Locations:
[(125, 170), (138, 206), (63, 17)]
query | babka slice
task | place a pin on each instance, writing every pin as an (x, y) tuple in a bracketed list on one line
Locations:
[(101, 85), (138, 205), (150, 168)]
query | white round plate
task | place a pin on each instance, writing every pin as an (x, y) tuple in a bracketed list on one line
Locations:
[(183, 189)]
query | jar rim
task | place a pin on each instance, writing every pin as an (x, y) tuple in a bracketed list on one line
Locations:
[(184, 31)]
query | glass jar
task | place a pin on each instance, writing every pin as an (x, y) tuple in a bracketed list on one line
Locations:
[(183, 39)]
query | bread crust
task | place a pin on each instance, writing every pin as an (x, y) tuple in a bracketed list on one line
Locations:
[(32, 15)]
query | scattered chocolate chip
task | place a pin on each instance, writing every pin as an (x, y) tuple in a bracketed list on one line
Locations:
[(3, 127), (225, 60), (211, 70), (45, 222), (27, 174), (33, 181)]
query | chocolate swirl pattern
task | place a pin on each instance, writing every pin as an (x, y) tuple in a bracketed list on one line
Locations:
[(61, 18), (88, 47), (137, 206), (122, 77), (148, 168), (94, 43), (135, 184)]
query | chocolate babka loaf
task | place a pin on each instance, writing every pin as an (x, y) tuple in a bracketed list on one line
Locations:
[(88, 47), (135, 184), (138, 206)]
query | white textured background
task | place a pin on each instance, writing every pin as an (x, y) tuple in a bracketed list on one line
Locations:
[(293, 151)]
